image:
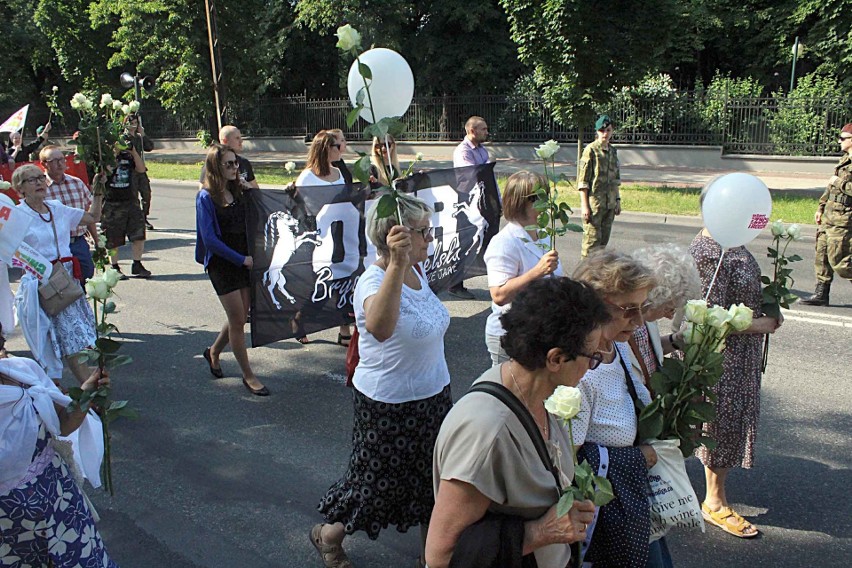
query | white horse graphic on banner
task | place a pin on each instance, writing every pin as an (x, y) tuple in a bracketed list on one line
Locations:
[(474, 216), (282, 233)]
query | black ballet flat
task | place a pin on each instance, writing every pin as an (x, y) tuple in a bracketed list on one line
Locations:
[(213, 370), (262, 391)]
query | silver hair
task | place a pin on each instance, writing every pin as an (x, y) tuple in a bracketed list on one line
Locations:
[(676, 274), (412, 209)]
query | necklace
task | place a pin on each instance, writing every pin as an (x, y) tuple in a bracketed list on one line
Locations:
[(49, 213), (611, 349), (544, 429)]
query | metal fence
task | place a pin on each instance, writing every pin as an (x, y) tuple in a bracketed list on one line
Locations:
[(740, 125)]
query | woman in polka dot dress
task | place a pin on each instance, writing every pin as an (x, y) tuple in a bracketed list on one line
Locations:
[(606, 425), (401, 394), (738, 391)]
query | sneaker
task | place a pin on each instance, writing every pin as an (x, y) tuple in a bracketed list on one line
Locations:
[(149, 226), (117, 268), (139, 271), (462, 292)]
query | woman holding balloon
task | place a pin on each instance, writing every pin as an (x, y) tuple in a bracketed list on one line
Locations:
[(731, 275)]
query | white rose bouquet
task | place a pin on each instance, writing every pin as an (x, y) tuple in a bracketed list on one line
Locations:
[(776, 290), (683, 395), (550, 209), (104, 353)]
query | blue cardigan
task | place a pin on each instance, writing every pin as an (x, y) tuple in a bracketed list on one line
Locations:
[(208, 234)]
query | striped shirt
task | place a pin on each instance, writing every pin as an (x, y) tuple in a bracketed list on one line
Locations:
[(71, 192)]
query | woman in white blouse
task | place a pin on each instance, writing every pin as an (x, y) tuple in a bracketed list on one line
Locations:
[(401, 390), (515, 256), (606, 426)]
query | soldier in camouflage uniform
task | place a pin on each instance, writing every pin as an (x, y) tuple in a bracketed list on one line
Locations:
[(598, 181), (834, 222)]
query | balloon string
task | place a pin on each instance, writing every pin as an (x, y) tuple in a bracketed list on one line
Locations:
[(715, 274)]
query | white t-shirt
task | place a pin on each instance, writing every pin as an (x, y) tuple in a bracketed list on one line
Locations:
[(40, 234), (410, 364), (509, 256), (607, 416), (307, 179)]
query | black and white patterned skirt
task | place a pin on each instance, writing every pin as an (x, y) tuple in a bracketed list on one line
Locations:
[(389, 480)]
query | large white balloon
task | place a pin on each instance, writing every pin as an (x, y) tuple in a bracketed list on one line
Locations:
[(391, 88), (736, 209)]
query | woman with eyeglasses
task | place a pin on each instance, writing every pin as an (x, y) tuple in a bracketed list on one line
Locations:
[(53, 339), (516, 257), (320, 170), (222, 247), (492, 486), (380, 161), (606, 426), (401, 389)]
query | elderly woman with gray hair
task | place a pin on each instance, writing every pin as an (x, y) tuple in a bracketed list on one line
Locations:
[(677, 281), (401, 394)]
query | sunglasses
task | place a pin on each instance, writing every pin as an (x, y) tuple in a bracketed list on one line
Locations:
[(630, 312), (425, 232), (595, 360), (230, 164), (842, 138)]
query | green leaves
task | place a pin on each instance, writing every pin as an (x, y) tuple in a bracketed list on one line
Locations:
[(386, 206), (361, 169), (566, 501)]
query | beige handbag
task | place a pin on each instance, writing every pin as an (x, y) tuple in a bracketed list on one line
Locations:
[(61, 289)]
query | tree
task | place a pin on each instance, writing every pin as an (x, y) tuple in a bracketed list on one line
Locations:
[(826, 29)]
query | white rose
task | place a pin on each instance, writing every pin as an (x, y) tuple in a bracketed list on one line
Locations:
[(102, 241), (125, 109), (794, 231), (55, 89), (692, 334), (547, 150), (290, 167), (348, 38), (75, 105), (777, 228), (565, 402), (80, 98), (418, 157), (97, 289), (116, 105), (741, 316), (717, 317), (134, 106), (90, 288), (106, 100), (5, 184), (111, 277), (88, 105), (695, 311)]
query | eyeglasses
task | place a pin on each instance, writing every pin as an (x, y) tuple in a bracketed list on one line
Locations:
[(425, 232), (230, 164), (53, 161), (33, 179), (595, 359), (630, 312)]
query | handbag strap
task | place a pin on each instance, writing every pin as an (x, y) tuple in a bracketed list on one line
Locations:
[(638, 405), (505, 396), (55, 236)]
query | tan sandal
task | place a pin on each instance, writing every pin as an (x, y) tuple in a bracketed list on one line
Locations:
[(332, 555), (720, 519)]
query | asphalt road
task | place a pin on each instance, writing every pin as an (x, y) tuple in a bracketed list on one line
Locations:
[(211, 476)]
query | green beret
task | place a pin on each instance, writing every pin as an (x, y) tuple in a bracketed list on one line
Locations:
[(603, 122)]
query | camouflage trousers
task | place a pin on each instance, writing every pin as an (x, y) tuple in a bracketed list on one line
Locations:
[(596, 232), (142, 185), (833, 253)]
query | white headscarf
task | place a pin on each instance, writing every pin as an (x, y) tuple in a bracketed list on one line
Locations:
[(21, 412)]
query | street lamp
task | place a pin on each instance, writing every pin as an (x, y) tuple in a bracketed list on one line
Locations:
[(798, 49)]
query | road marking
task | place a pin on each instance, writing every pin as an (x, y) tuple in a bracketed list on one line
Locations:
[(819, 319)]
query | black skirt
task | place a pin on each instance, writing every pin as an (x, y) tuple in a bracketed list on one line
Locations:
[(389, 481), (226, 276)]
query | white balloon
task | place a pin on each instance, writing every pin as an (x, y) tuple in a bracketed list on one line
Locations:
[(736, 209), (391, 88)]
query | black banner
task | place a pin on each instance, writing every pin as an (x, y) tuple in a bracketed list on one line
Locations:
[(310, 247)]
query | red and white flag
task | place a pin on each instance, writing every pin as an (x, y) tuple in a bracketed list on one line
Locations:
[(15, 122)]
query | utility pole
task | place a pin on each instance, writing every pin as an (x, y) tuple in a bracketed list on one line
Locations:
[(216, 63), (797, 48)]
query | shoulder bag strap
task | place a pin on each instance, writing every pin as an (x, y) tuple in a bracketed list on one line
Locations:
[(505, 396), (638, 405), (55, 237)]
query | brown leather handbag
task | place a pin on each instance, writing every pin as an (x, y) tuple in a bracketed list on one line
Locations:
[(61, 289)]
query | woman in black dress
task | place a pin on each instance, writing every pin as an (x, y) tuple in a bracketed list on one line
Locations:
[(222, 246)]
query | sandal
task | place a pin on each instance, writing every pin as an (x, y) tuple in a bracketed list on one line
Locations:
[(332, 555), (720, 519), (303, 340), (343, 338)]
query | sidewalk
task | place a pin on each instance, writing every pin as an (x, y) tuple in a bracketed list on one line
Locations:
[(798, 183)]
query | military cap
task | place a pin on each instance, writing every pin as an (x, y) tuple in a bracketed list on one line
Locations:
[(603, 122)]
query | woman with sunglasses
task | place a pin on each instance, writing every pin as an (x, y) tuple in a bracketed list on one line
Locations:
[(401, 389), (222, 247), (606, 426), (53, 339), (516, 257), (380, 161), (489, 477), (320, 170)]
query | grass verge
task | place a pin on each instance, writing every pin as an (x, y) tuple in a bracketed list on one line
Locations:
[(665, 200)]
